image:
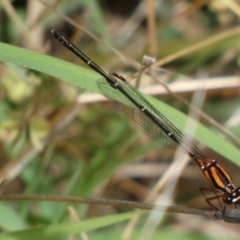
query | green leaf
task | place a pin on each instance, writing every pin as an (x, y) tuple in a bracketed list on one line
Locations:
[(69, 72), (11, 220), (59, 231), (86, 79)]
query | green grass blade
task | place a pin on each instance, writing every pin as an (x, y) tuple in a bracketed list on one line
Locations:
[(59, 231), (58, 68), (86, 79)]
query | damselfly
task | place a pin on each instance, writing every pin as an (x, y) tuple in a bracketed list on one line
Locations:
[(137, 109)]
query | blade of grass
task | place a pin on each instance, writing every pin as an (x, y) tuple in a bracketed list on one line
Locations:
[(65, 229), (86, 79)]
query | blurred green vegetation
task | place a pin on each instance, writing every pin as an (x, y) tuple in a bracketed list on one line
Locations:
[(54, 142)]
